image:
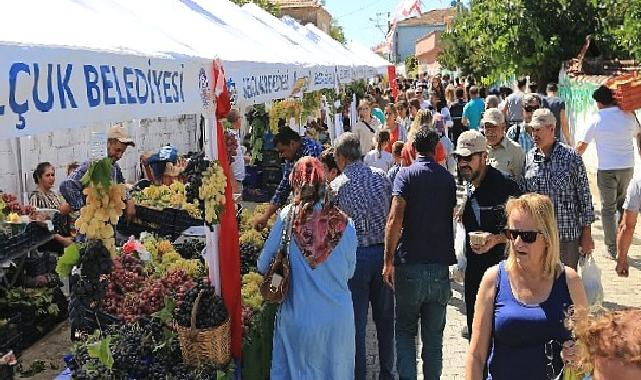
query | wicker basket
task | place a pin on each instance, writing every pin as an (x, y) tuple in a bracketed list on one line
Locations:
[(207, 345)]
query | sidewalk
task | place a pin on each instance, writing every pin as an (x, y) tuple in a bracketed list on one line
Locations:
[(618, 293)]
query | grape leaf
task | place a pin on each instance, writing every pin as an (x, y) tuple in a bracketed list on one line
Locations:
[(100, 350), (166, 313), (99, 173), (68, 260)]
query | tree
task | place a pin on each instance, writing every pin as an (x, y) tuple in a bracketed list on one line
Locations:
[(336, 32), (496, 39), (411, 64), (619, 27), (267, 5)]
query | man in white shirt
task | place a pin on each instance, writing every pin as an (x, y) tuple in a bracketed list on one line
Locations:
[(238, 164), (366, 127), (613, 131)]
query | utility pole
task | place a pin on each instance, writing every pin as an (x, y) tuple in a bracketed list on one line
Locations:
[(379, 23)]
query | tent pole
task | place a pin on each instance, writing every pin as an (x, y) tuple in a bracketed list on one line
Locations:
[(21, 179)]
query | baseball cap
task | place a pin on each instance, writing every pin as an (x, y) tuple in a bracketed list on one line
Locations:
[(530, 97), (493, 116), (470, 142), (119, 133), (542, 117)]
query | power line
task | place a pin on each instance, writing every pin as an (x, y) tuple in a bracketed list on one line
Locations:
[(359, 9)]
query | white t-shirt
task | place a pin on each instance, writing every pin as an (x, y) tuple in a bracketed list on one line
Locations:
[(613, 131), (384, 162), (366, 134), (633, 196)]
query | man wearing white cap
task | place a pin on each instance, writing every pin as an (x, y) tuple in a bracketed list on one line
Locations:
[(117, 142), (502, 153), (556, 170)]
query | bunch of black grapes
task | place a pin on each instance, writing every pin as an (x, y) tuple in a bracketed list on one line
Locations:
[(211, 308), (248, 257), (191, 248), (193, 171)]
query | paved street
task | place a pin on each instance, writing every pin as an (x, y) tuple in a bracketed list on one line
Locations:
[(619, 292)]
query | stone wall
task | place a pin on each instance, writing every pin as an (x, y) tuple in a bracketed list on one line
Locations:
[(64, 146)]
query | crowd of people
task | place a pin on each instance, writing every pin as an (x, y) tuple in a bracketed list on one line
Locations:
[(387, 190)]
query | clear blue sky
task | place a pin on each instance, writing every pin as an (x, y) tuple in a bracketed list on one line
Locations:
[(354, 16)]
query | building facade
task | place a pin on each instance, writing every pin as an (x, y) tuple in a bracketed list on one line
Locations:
[(409, 31), (307, 11)]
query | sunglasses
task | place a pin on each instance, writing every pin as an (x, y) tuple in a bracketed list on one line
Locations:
[(528, 237), (531, 108), (467, 158)]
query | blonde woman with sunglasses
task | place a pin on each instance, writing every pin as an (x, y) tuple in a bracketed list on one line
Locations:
[(518, 329)]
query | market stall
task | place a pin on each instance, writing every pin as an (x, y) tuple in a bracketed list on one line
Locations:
[(81, 74)]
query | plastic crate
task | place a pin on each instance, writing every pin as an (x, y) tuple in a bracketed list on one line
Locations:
[(272, 176), (253, 176), (36, 233), (12, 324), (271, 158), (36, 266), (182, 221), (12, 343)]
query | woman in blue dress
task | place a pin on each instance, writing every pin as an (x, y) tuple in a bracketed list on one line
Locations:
[(522, 304), (314, 327)]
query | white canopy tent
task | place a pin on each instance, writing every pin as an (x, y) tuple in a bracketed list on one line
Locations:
[(374, 60), (359, 70), (323, 74)]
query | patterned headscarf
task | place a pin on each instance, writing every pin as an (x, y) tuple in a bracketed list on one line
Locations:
[(317, 230)]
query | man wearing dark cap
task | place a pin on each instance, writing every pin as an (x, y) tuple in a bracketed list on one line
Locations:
[(612, 130)]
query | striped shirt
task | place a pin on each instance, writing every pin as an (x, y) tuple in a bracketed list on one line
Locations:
[(365, 195)]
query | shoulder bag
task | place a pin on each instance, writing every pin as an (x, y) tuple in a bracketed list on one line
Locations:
[(275, 284)]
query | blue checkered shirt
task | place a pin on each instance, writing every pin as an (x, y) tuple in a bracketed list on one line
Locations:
[(525, 139), (308, 147), (365, 195), (71, 188), (563, 178)]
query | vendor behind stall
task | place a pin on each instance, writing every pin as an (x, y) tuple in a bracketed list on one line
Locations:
[(117, 142), (44, 198)]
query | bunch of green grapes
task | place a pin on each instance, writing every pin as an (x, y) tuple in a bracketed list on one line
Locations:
[(250, 291), (212, 192), (253, 238), (102, 210)]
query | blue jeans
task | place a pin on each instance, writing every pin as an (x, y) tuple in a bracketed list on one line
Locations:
[(367, 286), (421, 291)]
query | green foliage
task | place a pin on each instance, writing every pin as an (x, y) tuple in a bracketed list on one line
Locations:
[(620, 27), (68, 260), (99, 173), (41, 299), (411, 65), (358, 87), (495, 39), (267, 5), (100, 350), (336, 32)]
